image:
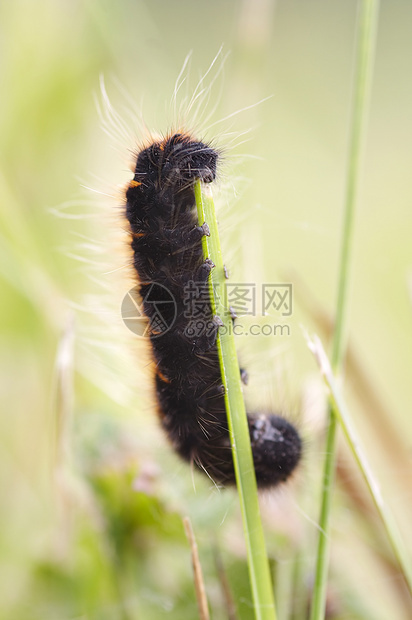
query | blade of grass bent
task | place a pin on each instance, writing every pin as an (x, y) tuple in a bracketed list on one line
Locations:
[(259, 572), (367, 28), (344, 418)]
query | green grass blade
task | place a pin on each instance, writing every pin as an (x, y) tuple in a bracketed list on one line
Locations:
[(339, 407), (367, 28), (368, 22), (259, 572)]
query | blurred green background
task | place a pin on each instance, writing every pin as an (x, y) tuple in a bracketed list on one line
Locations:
[(92, 498)]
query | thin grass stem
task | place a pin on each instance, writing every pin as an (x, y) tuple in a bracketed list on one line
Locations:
[(259, 572), (367, 28)]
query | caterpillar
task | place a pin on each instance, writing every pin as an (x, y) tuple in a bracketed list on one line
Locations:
[(166, 242)]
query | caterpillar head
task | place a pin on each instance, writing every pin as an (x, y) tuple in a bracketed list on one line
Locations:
[(176, 161)]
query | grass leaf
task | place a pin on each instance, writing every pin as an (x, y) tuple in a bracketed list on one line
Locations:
[(259, 572)]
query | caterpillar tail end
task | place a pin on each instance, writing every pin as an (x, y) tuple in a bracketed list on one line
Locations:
[(276, 447)]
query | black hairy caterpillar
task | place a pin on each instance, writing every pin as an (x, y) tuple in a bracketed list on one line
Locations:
[(168, 257)]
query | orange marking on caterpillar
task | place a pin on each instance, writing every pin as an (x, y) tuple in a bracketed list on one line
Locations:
[(161, 376), (134, 184)]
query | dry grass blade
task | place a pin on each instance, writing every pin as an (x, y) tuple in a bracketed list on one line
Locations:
[(197, 570)]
